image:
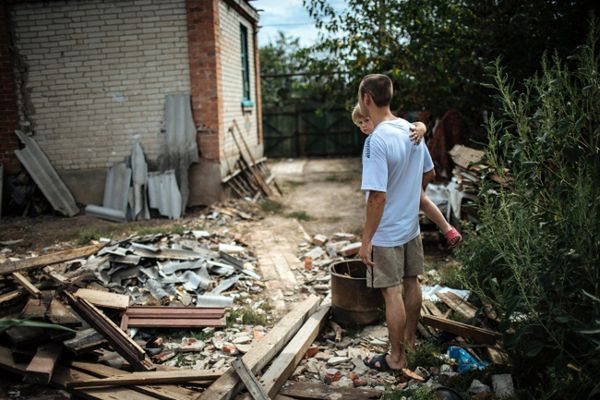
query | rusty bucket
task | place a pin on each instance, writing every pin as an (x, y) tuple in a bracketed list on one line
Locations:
[(353, 303)]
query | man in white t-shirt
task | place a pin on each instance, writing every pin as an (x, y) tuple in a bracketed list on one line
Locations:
[(393, 169)]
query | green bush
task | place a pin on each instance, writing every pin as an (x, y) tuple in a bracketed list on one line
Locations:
[(536, 254)]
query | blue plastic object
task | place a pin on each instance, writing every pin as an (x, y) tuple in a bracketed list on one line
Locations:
[(466, 362)]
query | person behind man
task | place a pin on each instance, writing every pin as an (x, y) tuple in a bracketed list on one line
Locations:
[(393, 169)]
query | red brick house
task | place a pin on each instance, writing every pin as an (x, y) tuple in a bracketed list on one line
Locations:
[(89, 77)]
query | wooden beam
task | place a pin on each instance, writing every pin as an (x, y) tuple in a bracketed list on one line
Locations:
[(42, 364), (35, 309), (227, 386), (48, 259), (134, 322), (479, 335), (58, 313), (321, 391), (283, 366), (10, 296), (7, 362), (457, 304), (250, 381), (172, 312), (27, 285), (63, 376), (118, 339), (104, 299), (150, 378), (164, 392)]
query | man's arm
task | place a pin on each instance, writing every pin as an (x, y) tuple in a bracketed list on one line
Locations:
[(375, 206)]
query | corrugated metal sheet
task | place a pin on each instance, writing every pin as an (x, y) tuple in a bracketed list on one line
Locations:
[(139, 200), (45, 176), (116, 188), (164, 194), (105, 213), (181, 145)]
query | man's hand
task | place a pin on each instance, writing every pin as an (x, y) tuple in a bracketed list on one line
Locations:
[(365, 252), (417, 131)]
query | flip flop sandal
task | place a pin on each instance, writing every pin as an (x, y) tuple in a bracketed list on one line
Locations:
[(383, 365), (453, 237)]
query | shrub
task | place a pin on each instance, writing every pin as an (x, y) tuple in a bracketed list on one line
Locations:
[(536, 254)]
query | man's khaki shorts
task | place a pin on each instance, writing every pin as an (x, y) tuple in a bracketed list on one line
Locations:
[(392, 264)]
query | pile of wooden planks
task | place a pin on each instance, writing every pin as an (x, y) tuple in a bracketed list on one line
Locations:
[(251, 178), (433, 321)]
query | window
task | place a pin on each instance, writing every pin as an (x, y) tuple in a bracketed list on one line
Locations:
[(245, 63)]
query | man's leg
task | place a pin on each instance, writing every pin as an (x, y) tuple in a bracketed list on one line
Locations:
[(396, 322), (412, 306)]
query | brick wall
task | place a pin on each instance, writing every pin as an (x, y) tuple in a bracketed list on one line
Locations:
[(8, 98), (98, 75), (205, 70), (231, 65)]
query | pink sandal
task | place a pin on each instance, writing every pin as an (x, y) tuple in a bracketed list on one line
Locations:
[(453, 237)]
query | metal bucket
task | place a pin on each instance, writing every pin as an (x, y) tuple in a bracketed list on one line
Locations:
[(353, 303)]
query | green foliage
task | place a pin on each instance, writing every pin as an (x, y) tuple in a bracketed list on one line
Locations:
[(436, 51), (424, 355), (268, 205), (161, 230), (246, 316), (87, 235), (536, 253), (299, 215)]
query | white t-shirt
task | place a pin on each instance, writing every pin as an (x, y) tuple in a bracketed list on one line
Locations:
[(393, 164)]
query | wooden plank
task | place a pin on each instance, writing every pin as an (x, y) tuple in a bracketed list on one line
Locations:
[(227, 386), (48, 259), (457, 304), (150, 377), (164, 392), (172, 312), (35, 308), (321, 391), (27, 285), (498, 356), (58, 313), (63, 376), (174, 323), (250, 381), (104, 299), (120, 342), (84, 341), (42, 364), (10, 296), (479, 335), (285, 363), (432, 308), (7, 362)]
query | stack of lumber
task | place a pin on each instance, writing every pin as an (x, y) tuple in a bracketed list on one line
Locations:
[(250, 178)]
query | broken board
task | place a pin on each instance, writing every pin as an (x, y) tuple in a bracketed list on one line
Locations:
[(479, 335), (104, 299)]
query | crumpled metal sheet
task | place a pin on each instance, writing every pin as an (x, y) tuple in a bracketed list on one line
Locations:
[(208, 300), (226, 284), (138, 201), (116, 187), (156, 289), (173, 266), (181, 146), (45, 176), (193, 281), (164, 194)]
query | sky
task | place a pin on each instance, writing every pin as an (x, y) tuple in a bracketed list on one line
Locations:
[(288, 16)]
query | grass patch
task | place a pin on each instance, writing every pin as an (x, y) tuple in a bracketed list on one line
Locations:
[(87, 235), (164, 230), (451, 276), (299, 215), (245, 316), (425, 355), (200, 335), (421, 393), (268, 205), (294, 184)]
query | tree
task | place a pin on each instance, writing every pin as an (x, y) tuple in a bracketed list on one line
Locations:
[(437, 51)]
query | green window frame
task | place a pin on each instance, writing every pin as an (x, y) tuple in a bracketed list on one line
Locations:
[(245, 63)]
